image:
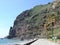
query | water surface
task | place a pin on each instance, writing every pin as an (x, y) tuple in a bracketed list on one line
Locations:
[(11, 41)]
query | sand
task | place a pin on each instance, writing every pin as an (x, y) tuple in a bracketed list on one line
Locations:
[(44, 42)]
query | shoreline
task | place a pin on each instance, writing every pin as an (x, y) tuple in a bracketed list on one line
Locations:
[(27, 43), (17, 42)]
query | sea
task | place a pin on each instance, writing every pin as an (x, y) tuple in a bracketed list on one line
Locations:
[(11, 41)]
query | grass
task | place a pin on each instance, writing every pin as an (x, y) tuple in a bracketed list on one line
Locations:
[(56, 32), (57, 40)]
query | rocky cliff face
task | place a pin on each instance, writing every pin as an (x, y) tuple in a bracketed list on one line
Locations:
[(30, 23)]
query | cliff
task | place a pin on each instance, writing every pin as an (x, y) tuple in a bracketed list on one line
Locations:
[(36, 22)]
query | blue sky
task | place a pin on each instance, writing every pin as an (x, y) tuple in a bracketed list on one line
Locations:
[(10, 9)]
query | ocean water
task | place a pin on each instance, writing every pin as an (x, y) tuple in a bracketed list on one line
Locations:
[(11, 41)]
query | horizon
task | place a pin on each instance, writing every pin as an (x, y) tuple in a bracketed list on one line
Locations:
[(10, 9)]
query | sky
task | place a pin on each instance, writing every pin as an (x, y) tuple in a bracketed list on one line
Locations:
[(10, 9)]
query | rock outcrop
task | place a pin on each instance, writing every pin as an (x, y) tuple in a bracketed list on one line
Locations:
[(30, 23)]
